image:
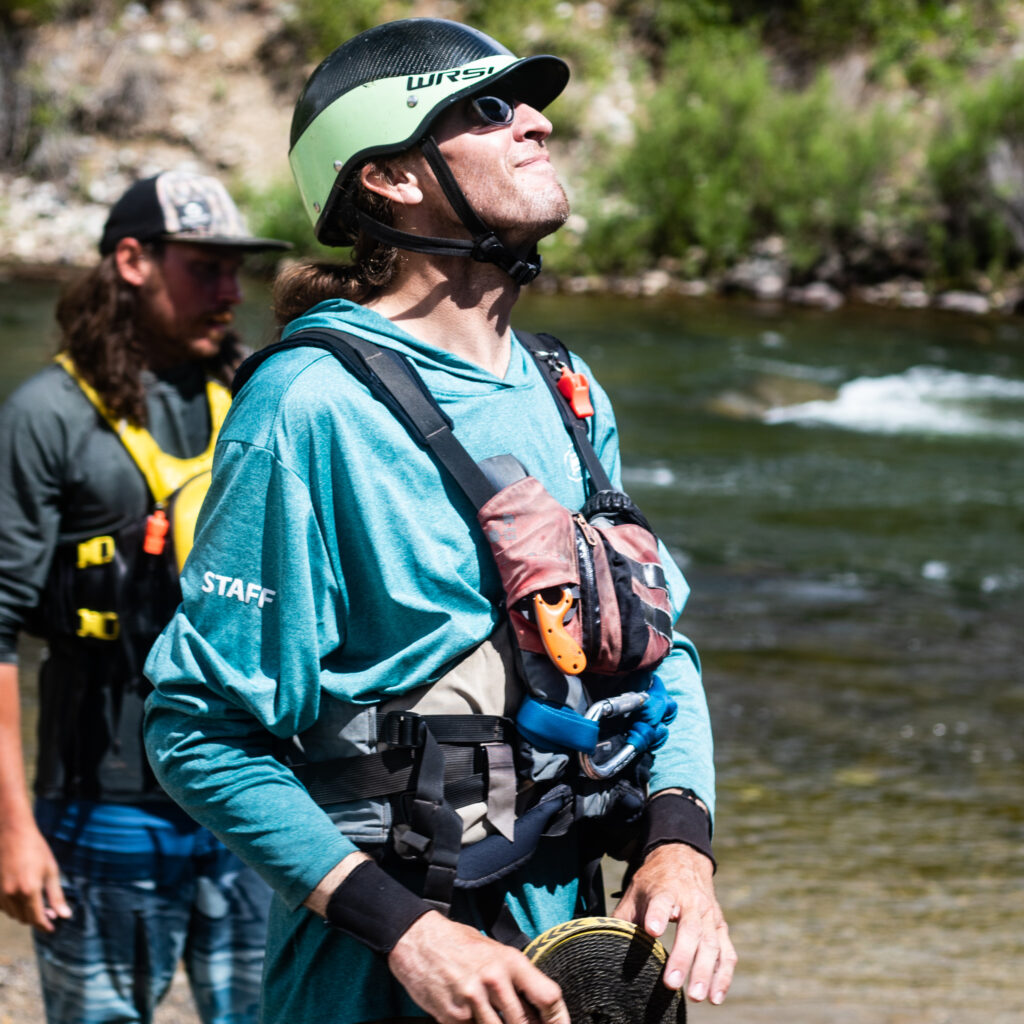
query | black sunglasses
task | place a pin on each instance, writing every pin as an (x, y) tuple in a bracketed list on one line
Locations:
[(494, 110)]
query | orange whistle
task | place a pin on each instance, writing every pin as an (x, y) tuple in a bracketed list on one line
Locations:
[(561, 648), (156, 533), (576, 389)]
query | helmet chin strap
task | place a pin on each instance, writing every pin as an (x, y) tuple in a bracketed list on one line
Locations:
[(485, 246)]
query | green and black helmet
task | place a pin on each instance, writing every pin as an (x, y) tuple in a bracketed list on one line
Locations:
[(380, 93)]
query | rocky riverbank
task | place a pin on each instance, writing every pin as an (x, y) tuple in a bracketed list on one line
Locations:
[(47, 232), (210, 87), (165, 85)]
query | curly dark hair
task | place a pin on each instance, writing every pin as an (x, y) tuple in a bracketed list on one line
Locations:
[(98, 314)]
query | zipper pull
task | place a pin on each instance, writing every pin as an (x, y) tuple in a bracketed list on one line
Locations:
[(589, 533), (576, 389), (157, 526)]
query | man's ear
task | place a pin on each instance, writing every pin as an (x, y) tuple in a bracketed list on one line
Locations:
[(392, 181), (133, 262)]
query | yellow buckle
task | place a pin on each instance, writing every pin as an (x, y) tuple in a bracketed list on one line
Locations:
[(100, 625), (95, 551)]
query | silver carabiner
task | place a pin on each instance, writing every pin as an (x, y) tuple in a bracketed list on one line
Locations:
[(623, 704)]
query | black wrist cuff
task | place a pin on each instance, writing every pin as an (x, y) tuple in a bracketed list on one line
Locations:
[(676, 818), (373, 908)]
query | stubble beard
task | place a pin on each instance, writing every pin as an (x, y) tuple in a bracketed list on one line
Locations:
[(521, 216)]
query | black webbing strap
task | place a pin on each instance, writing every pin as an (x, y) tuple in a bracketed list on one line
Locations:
[(434, 827), (394, 373), (389, 772), (548, 350), (345, 779), (406, 728), (393, 381), (424, 243)]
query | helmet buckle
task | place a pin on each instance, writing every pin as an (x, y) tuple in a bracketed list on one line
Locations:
[(486, 248)]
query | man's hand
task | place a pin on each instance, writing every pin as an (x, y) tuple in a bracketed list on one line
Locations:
[(458, 975), (674, 884), (30, 889)]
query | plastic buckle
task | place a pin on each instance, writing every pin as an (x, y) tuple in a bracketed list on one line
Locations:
[(486, 247), (407, 843), (403, 729), (523, 272), (95, 551), (99, 625)]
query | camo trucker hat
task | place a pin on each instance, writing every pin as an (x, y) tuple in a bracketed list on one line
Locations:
[(181, 206)]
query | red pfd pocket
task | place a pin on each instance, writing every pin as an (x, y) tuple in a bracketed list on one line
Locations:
[(605, 556)]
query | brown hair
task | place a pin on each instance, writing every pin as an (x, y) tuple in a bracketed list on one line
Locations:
[(98, 315), (372, 268)]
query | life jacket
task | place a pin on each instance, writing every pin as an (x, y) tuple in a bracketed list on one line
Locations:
[(549, 723), (105, 601)]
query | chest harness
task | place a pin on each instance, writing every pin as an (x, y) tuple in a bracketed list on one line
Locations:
[(105, 601), (587, 620)]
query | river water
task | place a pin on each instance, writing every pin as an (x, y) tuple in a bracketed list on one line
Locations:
[(844, 491)]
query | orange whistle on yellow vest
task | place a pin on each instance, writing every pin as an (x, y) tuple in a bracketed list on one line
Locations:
[(157, 526), (561, 648)]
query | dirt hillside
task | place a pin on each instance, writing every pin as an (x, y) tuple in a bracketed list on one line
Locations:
[(169, 85)]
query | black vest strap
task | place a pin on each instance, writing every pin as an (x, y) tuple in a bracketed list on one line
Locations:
[(393, 381), (551, 354), (406, 387)]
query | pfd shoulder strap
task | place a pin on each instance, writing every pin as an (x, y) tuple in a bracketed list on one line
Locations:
[(553, 357), (393, 380), (164, 474)]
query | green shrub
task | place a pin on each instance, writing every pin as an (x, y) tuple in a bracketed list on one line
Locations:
[(277, 212), (578, 32), (723, 157), (321, 25), (976, 235)]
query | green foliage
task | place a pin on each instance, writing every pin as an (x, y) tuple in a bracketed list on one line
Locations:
[(23, 13), (277, 212), (976, 235), (321, 25), (580, 32), (723, 158), (26, 12), (926, 41)]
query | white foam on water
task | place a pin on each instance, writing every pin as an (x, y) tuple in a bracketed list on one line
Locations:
[(651, 476), (921, 400)]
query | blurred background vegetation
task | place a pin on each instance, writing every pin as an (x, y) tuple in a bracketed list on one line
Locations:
[(865, 138)]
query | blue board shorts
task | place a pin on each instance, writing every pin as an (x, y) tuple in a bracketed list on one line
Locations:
[(148, 887)]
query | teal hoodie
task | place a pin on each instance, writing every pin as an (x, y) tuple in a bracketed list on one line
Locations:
[(334, 557)]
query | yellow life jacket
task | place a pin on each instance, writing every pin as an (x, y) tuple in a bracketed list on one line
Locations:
[(178, 485)]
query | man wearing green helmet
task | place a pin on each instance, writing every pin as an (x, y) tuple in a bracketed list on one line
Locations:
[(346, 675)]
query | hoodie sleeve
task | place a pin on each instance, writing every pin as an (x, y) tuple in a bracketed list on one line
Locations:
[(238, 668)]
